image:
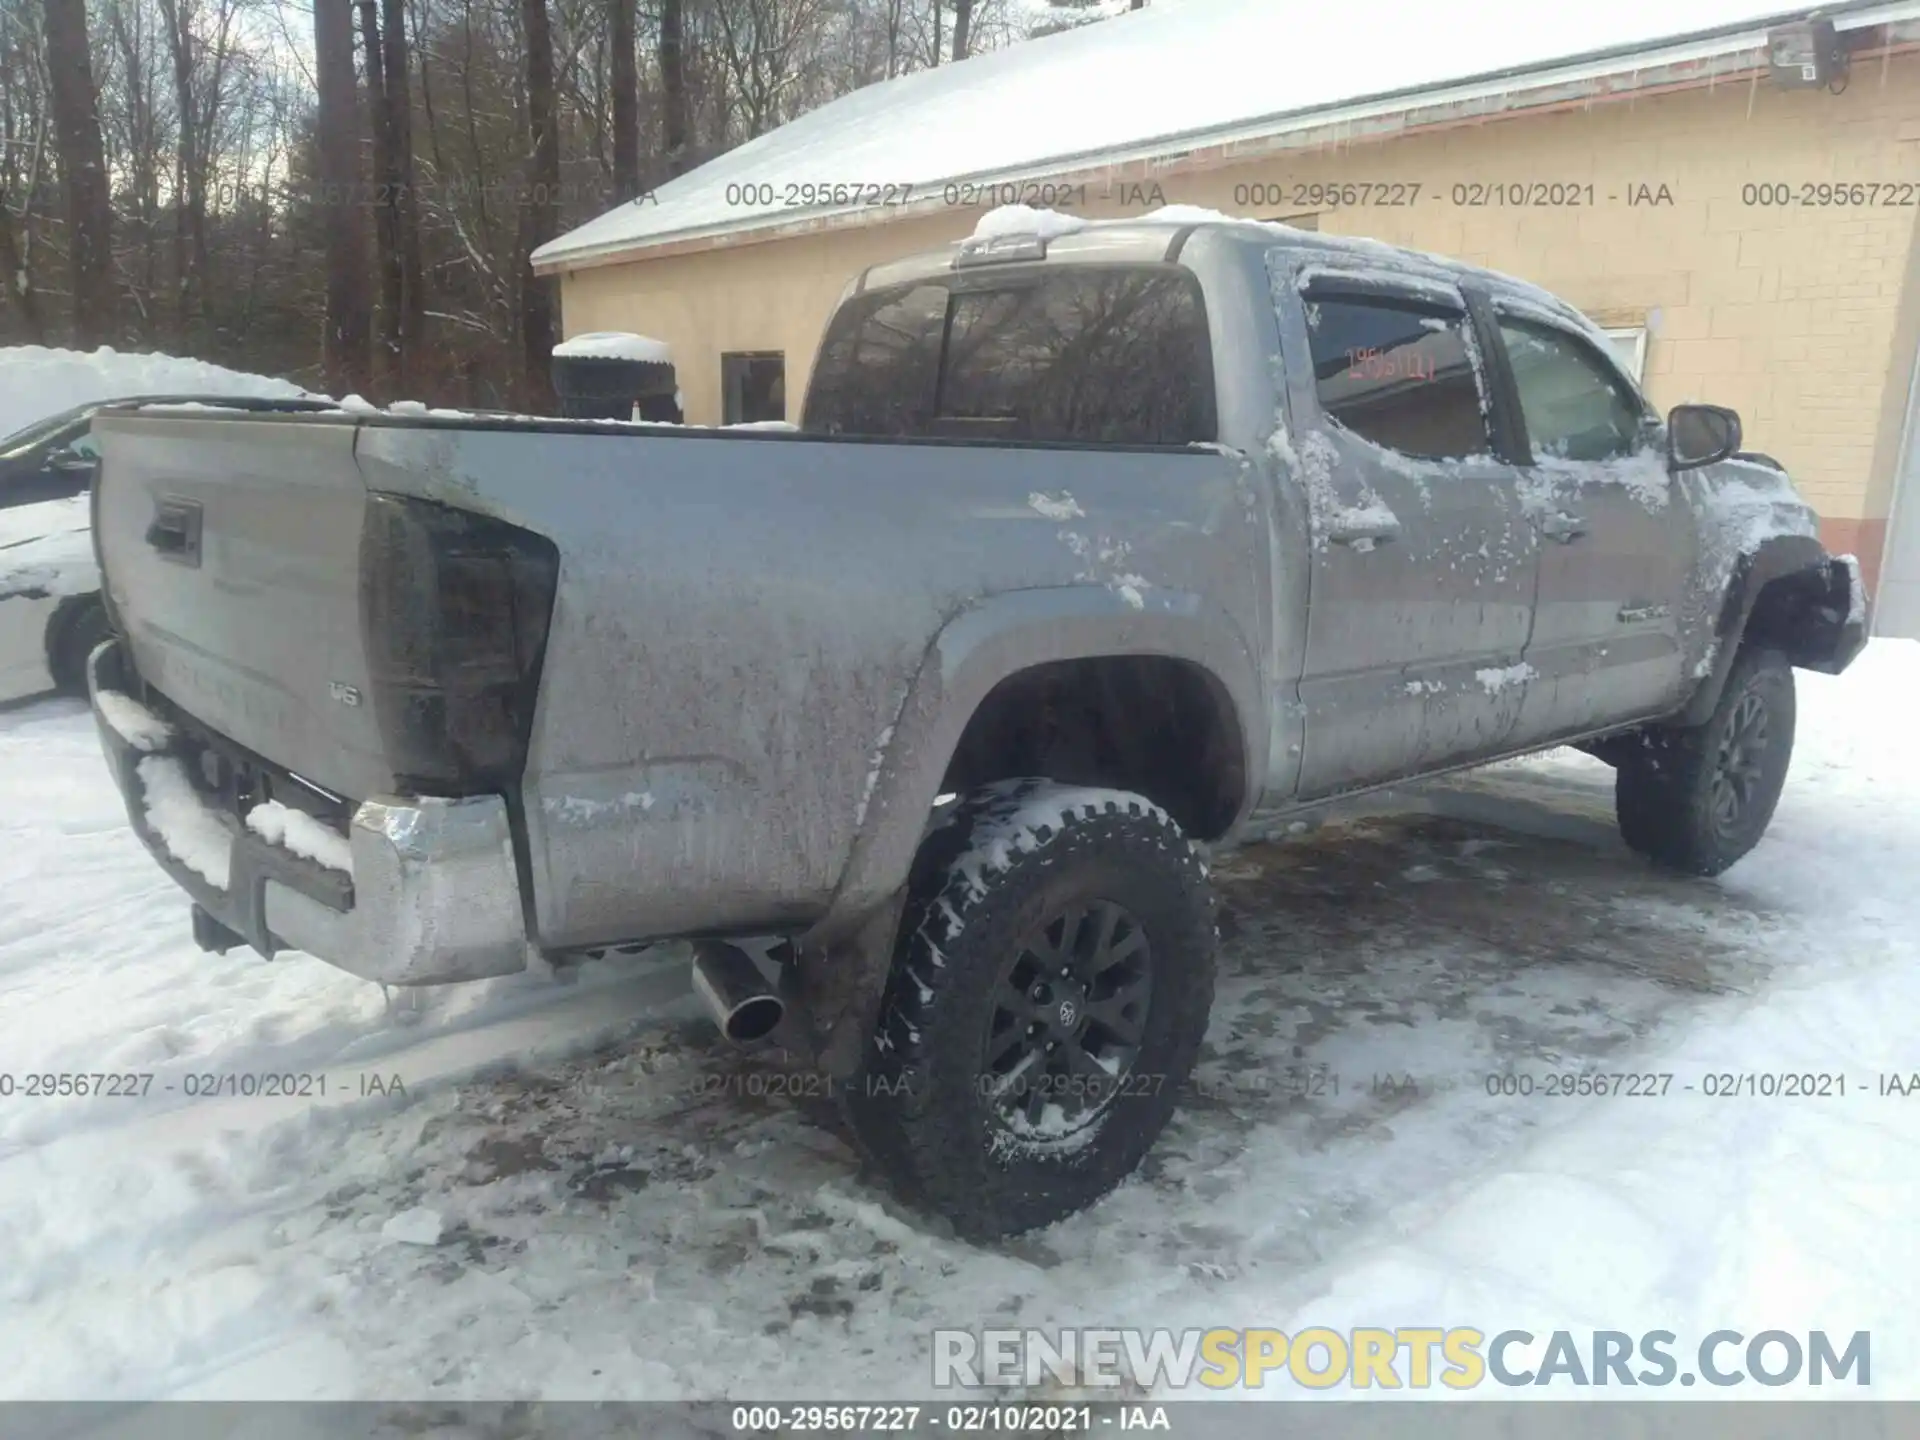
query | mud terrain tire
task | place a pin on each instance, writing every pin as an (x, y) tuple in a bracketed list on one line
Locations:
[(1048, 998), (1697, 800)]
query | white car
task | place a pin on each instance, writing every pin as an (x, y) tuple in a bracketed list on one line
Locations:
[(50, 611)]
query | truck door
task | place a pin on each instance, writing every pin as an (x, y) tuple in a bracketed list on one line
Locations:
[(1615, 540), (1421, 564)]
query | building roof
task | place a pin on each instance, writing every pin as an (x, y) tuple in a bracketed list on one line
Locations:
[(1177, 76)]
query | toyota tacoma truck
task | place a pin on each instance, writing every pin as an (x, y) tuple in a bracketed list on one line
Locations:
[(1093, 552)]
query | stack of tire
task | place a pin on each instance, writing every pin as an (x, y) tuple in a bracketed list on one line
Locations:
[(607, 386)]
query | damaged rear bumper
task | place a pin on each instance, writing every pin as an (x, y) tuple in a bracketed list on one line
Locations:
[(433, 894)]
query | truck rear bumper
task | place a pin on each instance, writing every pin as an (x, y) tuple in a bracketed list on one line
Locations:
[(433, 894)]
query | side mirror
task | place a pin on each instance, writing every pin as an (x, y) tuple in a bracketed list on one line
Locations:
[(1700, 435)]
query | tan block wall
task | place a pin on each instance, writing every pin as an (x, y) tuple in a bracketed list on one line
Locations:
[(1804, 318)]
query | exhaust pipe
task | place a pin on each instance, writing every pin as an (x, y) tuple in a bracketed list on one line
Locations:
[(736, 994)]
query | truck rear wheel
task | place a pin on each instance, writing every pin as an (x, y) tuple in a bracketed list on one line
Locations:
[(1697, 800), (1047, 1001)]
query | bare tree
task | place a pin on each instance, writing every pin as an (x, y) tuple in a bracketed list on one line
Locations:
[(673, 85), (83, 172), (962, 27), (625, 83), (401, 198), (540, 214), (348, 309)]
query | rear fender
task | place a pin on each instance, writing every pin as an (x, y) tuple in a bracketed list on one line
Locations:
[(844, 958)]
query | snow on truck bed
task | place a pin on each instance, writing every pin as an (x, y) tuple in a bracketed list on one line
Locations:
[(582, 1194)]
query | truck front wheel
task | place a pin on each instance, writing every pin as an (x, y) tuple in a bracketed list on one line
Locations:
[(1047, 1001), (1696, 800)]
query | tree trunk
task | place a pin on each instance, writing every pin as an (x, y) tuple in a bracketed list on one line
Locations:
[(186, 297), (962, 27), (540, 216), (386, 240), (402, 199), (83, 173), (349, 320), (673, 84), (626, 101), (13, 277)]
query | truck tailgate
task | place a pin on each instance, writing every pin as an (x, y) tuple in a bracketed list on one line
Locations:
[(230, 547)]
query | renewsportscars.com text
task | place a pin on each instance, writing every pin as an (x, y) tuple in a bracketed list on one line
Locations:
[(1408, 1357)]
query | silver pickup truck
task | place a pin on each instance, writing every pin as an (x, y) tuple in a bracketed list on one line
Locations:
[(1091, 553)]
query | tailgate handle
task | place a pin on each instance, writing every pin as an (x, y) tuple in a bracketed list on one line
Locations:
[(175, 531)]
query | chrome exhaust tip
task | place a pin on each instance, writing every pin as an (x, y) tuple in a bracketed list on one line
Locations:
[(742, 1002)]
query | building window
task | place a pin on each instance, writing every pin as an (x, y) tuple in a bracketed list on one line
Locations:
[(1629, 346), (1398, 372), (753, 387)]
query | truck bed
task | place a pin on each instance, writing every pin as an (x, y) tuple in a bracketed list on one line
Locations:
[(738, 621)]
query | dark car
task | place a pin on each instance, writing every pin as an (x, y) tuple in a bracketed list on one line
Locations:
[(54, 458)]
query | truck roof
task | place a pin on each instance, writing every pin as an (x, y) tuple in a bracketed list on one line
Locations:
[(1019, 233)]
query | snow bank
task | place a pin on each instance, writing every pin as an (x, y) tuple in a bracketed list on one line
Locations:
[(614, 345), (36, 381)]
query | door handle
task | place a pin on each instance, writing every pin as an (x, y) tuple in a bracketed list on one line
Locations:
[(1364, 537), (1629, 614), (1563, 527)]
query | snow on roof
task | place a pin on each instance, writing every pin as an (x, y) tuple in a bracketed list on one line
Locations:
[(1177, 74)]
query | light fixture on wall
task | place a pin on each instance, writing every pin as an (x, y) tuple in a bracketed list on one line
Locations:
[(1808, 54)]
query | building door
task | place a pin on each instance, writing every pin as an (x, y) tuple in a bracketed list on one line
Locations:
[(1896, 601)]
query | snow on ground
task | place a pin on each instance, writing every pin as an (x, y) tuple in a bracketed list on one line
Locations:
[(36, 381), (580, 1194)]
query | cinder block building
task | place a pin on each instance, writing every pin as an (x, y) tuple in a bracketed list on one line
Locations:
[(1731, 191)]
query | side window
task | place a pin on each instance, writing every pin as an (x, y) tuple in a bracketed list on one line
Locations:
[(1574, 405), (877, 364), (1398, 372), (1118, 357), (1110, 355)]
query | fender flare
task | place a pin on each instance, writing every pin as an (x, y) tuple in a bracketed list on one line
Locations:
[(998, 637), (1753, 571), (846, 954)]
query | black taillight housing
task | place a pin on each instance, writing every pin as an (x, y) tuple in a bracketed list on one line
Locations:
[(454, 609)]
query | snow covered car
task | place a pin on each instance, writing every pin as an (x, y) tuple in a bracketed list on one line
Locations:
[(50, 614), (1097, 545)]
